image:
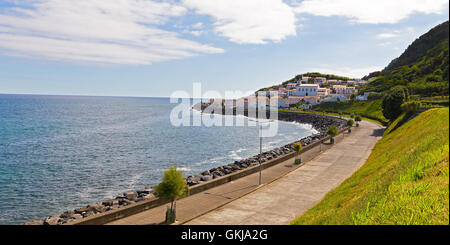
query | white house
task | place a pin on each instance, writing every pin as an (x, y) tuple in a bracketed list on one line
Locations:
[(344, 90), (307, 90), (322, 92)]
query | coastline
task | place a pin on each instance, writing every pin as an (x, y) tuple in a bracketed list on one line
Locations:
[(319, 122)]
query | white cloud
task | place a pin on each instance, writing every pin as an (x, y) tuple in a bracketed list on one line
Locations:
[(249, 21), (371, 11), (102, 31), (194, 33), (386, 35)]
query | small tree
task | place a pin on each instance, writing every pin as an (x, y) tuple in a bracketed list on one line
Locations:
[(393, 101), (173, 186), (357, 119), (298, 148), (332, 131)]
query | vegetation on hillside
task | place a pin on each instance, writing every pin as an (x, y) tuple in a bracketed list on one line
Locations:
[(422, 68), (368, 109), (404, 181), (420, 46)]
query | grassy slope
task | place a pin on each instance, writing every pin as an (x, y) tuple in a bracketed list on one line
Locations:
[(369, 109), (404, 181), (397, 123)]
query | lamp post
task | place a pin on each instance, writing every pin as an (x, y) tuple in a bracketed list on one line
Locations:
[(260, 150)]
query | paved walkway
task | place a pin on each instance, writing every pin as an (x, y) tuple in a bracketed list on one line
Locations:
[(279, 200)]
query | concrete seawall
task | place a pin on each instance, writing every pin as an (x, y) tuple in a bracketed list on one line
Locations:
[(110, 216)]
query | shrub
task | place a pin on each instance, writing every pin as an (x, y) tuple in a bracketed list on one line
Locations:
[(332, 131), (298, 148), (173, 186), (350, 122), (411, 106)]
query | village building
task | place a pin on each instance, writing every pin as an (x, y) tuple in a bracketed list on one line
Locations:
[(307, 90), (291, 86), (344, 90), (323, 92), (320, 80)]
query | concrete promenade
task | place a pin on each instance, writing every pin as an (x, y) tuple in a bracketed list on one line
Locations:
[(288, 190)]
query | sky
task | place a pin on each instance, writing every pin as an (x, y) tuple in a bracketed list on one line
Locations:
[(151, 48)]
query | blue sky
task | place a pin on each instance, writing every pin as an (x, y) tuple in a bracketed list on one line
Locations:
[(152, 48)]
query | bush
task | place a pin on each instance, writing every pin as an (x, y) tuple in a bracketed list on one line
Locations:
[(411, 106), (374, 96)]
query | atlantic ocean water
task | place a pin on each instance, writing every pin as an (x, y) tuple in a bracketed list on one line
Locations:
[(58, 153)]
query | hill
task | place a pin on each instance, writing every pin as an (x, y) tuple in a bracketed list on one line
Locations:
[(420, 46), (423, 67), (405, 180)]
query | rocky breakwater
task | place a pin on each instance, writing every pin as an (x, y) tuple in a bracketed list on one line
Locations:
[(120, 200), (320, 123)]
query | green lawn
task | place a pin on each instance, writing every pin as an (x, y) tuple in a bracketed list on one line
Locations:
[(368, 109), (404, 181)]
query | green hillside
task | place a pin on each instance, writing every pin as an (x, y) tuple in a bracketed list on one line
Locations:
[(420, 46), (423, 67), (405, 180), (367, 109)]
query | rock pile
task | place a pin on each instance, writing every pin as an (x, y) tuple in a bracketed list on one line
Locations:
[(120, 200)]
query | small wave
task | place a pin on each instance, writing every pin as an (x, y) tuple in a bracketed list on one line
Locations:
[(184, 169), (234, 154)]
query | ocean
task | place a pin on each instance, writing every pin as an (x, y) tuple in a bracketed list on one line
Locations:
[(58, 153)]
